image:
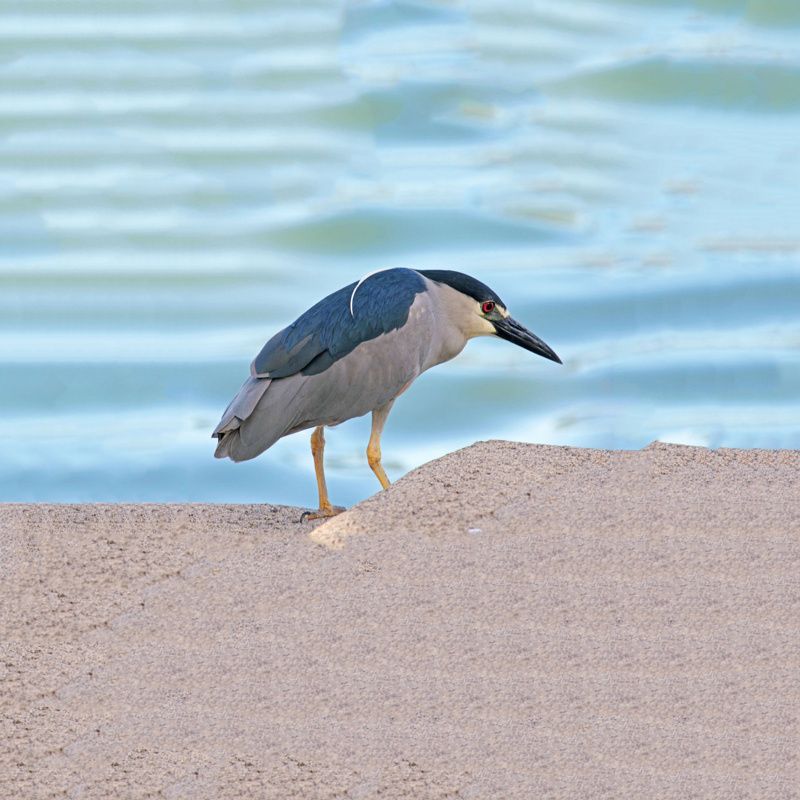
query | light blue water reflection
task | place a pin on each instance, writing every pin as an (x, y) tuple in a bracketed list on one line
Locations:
[(179, 179)]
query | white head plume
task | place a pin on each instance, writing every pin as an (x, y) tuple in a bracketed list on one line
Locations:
[(361, 280)]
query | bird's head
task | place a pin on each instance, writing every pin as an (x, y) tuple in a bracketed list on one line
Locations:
[(481, 312)]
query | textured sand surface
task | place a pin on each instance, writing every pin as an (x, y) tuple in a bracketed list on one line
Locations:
[(511, 621)]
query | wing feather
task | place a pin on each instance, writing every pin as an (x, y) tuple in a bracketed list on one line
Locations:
[(328, 330)]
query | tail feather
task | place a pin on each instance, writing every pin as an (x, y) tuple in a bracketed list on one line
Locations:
[(238, 410)]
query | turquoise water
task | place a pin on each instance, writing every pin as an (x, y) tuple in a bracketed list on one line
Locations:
[(179, 179)]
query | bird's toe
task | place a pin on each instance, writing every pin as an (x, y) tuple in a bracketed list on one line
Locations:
[(321, 513)]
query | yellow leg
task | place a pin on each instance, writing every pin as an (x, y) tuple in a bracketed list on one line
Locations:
[(379, 416), (325, 507)]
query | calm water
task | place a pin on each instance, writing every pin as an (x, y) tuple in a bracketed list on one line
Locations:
[(180, 178)]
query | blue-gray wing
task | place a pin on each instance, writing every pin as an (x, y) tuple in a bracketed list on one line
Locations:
[(328, 331)]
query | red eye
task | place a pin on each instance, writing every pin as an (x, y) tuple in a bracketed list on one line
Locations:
[(487, 307)]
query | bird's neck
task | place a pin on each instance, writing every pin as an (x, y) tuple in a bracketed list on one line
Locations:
[(457, 323)]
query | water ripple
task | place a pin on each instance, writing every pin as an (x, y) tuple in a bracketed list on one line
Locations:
[(180, 179)]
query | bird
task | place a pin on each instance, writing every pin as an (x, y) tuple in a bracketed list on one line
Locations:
[(356, 351)]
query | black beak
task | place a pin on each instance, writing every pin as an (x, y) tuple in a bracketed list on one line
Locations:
[(510, 330)]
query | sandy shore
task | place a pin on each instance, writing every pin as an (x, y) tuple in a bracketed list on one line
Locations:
[(511, 621)]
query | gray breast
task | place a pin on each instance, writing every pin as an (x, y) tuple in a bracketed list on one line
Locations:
[(371, 375)]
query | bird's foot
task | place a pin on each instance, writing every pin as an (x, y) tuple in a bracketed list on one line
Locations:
[(322, 513)]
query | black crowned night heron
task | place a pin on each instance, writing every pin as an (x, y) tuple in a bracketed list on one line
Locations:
[(357, 351)]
